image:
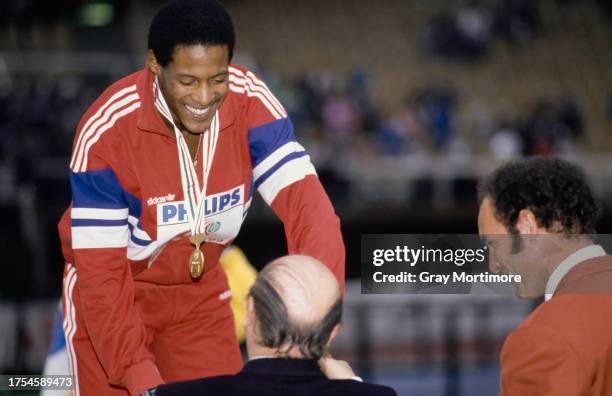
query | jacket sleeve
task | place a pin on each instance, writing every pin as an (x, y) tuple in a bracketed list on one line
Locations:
[(286, 179), (311, 226), (537, 361), (100, 232)]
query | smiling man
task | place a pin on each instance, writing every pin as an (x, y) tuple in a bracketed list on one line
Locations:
[(163, 170), (538, 216)]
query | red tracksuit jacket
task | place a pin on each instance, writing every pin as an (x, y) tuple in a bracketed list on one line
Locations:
[(127, 201)]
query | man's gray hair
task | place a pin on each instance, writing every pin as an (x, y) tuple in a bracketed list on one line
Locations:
[(276, 330)]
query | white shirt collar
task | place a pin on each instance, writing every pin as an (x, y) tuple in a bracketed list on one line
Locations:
[(261, 357), (570, 262)]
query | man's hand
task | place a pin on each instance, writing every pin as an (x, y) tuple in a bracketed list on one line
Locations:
[(149, 392), (336, 369)]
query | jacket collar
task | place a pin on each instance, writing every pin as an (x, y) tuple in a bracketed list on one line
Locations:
[(151, 121), (283, 366), (592, 276), (571, 261)]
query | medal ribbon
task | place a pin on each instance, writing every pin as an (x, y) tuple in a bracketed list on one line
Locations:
[(194, 195)]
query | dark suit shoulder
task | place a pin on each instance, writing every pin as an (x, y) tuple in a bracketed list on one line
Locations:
[(204, 386), (352, 387), (256, 385)]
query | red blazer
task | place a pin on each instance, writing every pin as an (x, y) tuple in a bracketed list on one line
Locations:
[(564, 348)]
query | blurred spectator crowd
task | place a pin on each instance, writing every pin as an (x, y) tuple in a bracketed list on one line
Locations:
[(467, 32), (38, 117), (337, 116)]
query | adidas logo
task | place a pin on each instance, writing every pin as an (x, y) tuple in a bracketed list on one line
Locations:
[(158, 200)]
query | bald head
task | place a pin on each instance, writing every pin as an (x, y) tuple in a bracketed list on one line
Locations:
[(306, 286), (297, 303)]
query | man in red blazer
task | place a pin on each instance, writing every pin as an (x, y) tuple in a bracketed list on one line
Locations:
[(537, 217)]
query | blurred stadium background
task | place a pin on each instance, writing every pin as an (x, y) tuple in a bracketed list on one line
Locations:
[(403, 106)]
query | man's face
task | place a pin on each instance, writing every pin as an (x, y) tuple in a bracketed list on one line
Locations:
[(505, 258), (194, 84)]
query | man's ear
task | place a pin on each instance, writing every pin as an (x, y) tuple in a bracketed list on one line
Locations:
[(334, 333), (527, 223), (152, 63)]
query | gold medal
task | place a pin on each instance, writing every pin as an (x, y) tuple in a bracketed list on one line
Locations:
[(196, 260), (194, 193)]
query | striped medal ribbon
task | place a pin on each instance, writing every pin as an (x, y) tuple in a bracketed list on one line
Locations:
[(194, 195)]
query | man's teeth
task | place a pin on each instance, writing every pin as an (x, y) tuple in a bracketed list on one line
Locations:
[(197, 111)]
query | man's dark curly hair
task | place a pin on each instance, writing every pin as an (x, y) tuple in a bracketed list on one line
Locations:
[(555, 190), (190, 22)]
